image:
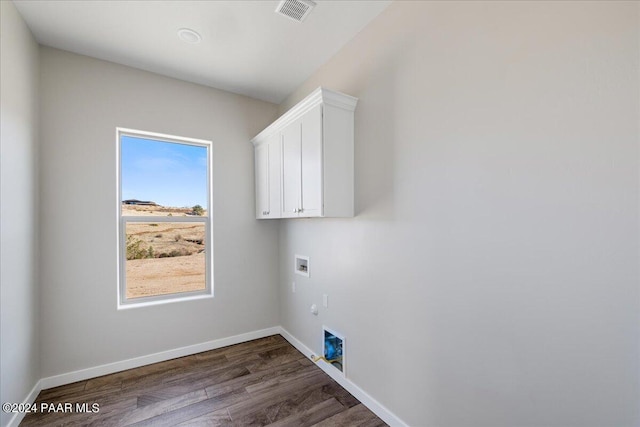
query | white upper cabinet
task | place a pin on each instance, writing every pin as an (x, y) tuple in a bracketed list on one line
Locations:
[(291, 168), (314, 142), (268, 178), (311, 203), (275, 176), (262, 180)]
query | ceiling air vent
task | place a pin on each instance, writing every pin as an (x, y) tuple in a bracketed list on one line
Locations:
[(295, 9)]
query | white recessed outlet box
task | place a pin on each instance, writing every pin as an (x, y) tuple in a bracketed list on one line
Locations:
[(302, 265)]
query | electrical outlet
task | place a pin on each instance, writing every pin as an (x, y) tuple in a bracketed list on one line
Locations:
[(293, 287), (325, 300)]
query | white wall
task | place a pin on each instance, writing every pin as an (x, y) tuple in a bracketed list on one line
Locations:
[(490, 277), (19, 303), (83, 101)]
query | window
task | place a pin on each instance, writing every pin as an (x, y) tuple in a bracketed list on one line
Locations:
[(164, 218)]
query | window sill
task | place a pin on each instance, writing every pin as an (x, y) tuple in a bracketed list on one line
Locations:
[(129, 305)]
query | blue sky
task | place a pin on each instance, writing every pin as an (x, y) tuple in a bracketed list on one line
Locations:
[(167, 173)]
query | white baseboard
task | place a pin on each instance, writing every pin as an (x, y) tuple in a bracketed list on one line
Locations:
[(377, 408), (123, 365), (31, 397), (110, 368)]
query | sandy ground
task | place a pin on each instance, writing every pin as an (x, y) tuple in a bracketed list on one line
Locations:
[(164, 237), (165, 275), (161, 276)]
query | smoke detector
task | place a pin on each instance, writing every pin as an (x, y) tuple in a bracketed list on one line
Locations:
[(296, 10)]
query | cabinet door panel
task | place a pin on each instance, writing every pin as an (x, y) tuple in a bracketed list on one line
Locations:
[(275, 172), (311, 162), (291, 185), (262, 180)]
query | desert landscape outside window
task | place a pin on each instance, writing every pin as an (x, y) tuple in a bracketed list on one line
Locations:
[(164, 220)]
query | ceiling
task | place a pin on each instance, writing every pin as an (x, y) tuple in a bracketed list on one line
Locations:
[(246, 47)]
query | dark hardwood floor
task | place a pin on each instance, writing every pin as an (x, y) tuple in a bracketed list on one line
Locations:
[(258, 383)]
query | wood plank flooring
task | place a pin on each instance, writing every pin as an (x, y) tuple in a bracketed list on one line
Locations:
[(257, 383)]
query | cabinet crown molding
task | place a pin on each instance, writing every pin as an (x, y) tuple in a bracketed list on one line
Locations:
[(321, 95)]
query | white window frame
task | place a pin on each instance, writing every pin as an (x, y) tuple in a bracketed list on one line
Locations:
[(207, 292)]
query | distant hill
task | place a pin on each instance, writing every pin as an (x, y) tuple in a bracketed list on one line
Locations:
[(139, 202)]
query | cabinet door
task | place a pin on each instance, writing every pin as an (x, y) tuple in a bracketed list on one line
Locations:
[(262, 180), (311, 162), (291, 173), (275, 173)]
